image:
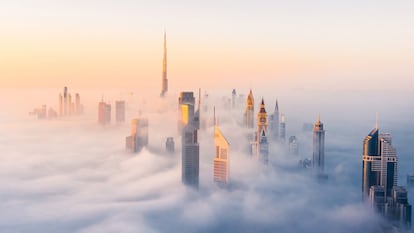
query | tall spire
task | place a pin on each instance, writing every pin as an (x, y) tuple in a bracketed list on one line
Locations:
[(164, 68), (376, 120), (276, 107)]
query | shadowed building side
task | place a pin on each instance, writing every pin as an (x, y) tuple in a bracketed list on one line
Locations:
[(371, 162), (275, 123), (190, 156)]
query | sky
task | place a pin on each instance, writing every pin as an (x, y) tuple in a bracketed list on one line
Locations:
[(306, 44)]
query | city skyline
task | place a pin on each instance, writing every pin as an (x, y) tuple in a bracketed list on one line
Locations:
[(152, 169), (138, 151)]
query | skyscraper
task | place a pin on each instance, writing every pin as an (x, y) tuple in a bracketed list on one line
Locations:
[(262, 140), (190, 156), (275, 122), (78, 107), (120, 111), (379, 179), (104, 113), (65, 101), (221, 160), (164, 68), (233, 98), (249, 113), (186, 103), (70, 104), (60, 105), (282, 129), (138, 138), (170, 145), (196, 117), (293, 145), (379, 162), (318, 158)]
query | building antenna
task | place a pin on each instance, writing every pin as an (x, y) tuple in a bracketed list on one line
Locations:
[(376, 120)]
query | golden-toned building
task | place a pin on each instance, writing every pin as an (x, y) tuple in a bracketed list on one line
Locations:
[(261, 134), (249, 113), (186, 103), (139, 135), (221, 160)]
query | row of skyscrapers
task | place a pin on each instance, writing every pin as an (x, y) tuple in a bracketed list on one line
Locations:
[(189, 124), (104, 112), (379, 168), (66, 107)]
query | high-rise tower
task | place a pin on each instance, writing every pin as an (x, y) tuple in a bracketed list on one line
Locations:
[(120, 111), (221, 160), (186, 105), (371, 162), (379, 162), (262, 142), (190, 151), (65, 101), (233, 98), (379, 179), (282, 129), (164, 68), (249, 113), (275, 123), (104, 113), (318, 158), (138, 138)]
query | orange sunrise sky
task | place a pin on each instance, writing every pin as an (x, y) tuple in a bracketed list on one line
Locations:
[(212, 44)]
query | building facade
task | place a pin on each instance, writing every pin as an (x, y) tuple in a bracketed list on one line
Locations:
[(249, 112), (222, 157), (138, 138), (120, 111), (190, 151), (318, 158), (275, 123)]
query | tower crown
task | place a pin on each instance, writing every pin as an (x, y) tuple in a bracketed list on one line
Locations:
[(262, 107), (318, 124), (250, 98)]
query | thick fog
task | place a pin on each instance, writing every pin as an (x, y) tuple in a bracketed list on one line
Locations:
[(74, 175)]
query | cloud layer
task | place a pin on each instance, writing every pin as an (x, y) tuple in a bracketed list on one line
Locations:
[(74, 176)]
